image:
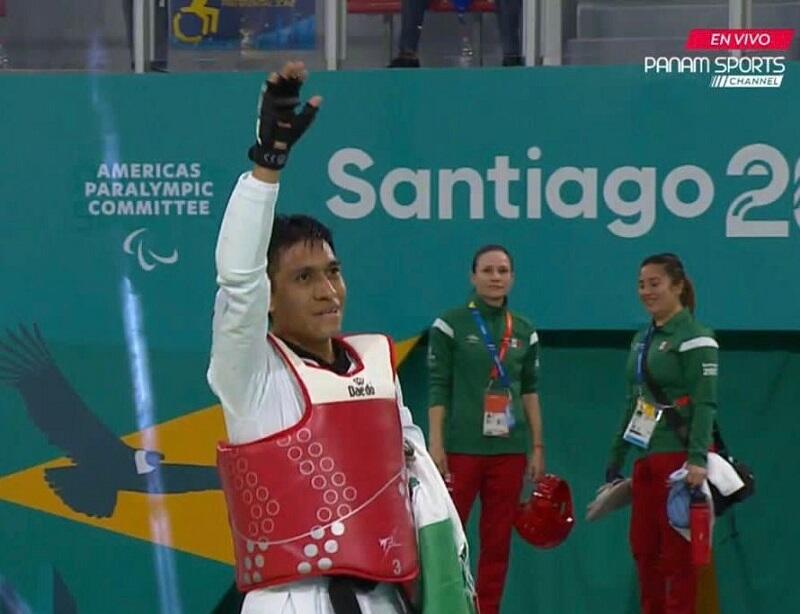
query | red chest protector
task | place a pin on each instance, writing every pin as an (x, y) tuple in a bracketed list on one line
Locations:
[(329, 495)]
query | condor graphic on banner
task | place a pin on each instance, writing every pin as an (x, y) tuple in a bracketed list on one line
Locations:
[(244, 24)]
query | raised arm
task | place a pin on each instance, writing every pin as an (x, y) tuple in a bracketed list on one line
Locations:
[(239, 349)]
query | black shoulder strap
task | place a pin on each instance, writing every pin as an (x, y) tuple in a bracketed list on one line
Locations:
[(674, 420)]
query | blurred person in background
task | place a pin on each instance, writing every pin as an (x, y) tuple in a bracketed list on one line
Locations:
[(509, 20)]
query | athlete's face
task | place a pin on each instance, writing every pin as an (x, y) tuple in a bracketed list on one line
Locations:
[(493, 277), (308, 295), (660, 296)]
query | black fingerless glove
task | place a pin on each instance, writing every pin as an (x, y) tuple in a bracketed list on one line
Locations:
[(278, 127)]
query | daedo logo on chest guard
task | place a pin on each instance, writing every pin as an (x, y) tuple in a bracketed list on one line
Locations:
[(360, 388)]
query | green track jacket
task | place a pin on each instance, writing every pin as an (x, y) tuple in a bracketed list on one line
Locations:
[(459, 375)]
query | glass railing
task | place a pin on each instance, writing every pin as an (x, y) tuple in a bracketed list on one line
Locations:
[(77, 35), (235, 35)]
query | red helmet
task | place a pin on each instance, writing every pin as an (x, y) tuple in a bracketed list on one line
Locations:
[(545, 520)]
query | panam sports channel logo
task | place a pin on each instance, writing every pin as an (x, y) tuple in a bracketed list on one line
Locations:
[(755, 65)]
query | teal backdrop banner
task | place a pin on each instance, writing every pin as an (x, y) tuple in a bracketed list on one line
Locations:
[(581, 172), (112, 189)]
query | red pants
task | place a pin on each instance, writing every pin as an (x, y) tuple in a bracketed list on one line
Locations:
[(498, 479), (667, 579)]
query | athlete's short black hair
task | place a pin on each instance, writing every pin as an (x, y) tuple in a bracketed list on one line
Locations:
[(288, 230)]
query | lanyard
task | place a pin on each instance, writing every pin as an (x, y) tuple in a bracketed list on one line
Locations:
[(641, 356), (499, 370)]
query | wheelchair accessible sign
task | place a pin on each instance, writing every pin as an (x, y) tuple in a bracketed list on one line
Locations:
[(243, 24)]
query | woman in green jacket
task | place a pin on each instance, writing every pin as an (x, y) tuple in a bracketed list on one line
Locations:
[(668, 420), (484, 411)]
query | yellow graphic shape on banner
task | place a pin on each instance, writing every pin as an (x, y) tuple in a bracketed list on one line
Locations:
[(403, 348), (707, 601), (191, 522), (195, 523)]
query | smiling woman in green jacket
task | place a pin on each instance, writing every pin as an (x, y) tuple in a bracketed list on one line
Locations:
[(484, 411), (668, 420)]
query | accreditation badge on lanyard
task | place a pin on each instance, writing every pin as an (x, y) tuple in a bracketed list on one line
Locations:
[(643, 423), (496, 409), (646, 415), (498, 417)]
